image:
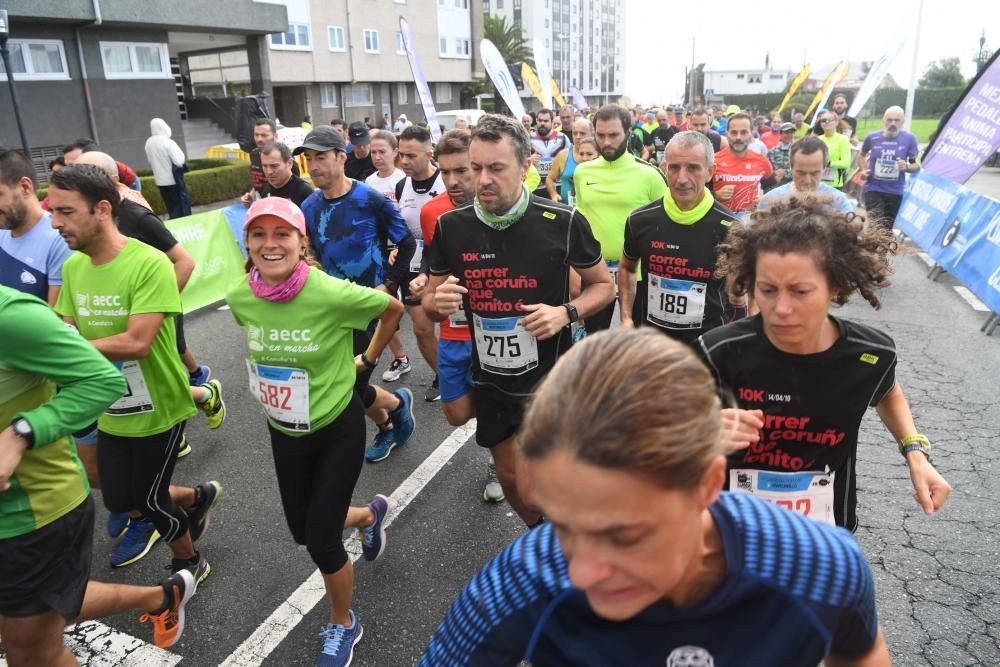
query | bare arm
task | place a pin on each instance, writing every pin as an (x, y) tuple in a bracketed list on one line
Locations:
[(442, 297), (183, 265), (545, 321), (53, 294), (384, 330), (627, 270), (135, 341)]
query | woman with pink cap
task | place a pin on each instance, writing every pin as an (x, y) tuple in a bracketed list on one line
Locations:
[(299, 323)]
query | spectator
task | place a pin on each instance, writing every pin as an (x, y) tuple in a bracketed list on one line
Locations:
[(168, 164), (401, 123)]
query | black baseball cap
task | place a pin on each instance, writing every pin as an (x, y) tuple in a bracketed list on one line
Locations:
[(358, 133), (322, 138)]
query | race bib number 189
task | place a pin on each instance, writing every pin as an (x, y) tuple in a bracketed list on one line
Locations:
[(675, 304), (504, 346), (808, 493), (283, 393)]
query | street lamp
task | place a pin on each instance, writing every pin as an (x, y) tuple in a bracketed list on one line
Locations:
[(5, 54)]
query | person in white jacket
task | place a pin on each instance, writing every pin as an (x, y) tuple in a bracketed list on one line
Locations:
[(166, 159)]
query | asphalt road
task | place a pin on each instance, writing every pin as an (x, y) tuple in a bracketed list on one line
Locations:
[(938, 579)]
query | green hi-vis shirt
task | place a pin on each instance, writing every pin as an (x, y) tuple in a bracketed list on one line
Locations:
[(101, 299), (607, 192), (301, 365), (39, 350)]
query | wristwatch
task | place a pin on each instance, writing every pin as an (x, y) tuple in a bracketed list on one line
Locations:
[(23, 429), (366, 362), (571, 309)]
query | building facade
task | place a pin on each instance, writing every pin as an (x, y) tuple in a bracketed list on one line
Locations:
[(746, 81)]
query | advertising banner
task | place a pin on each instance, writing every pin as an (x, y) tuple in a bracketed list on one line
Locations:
[(823, 94), (500, 76), (217, 256), (579, 98), (874, 77), (796, 83), (420, 81), (541, 56), (532, 82)]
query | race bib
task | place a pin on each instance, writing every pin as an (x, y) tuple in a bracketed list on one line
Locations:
[(829, 175), (418, 256), (808, 493), (136, 399), (544, 166), (504, 346), (283, 393), (887, 170), (675, 304), (459, 318)]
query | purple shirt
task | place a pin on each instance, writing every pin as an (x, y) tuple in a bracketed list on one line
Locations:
[(884, 174)]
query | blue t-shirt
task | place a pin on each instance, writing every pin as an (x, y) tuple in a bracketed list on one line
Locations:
[(794, 591), (840, 200), (350, 233), (886, 177), (32, 262)]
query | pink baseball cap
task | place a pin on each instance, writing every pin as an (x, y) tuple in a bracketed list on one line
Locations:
[(279, 207)]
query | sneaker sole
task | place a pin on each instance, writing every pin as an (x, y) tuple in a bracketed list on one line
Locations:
[(413, 418), (142, 554), (208, 516), (381, 530), (395, 375), (204, 575), (384, 456), (493, 499), (222, 411), (184, 452), (189, 590)]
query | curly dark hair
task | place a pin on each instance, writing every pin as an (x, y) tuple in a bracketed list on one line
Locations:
[(854, 256)]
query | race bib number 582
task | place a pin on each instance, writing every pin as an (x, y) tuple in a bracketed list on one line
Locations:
[(808, 493), (283, 393)]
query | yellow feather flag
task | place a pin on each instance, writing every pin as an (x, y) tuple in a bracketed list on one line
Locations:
[(823, 94), (796, 82), (529, 77), (557, 94)]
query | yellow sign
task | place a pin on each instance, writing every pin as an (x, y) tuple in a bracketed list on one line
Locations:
[(531, 79), (838, 73), (556, 93), (796, 82)]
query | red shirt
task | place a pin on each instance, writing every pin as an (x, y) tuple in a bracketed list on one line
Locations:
[(429, 214), (745, 172), (770, 139)]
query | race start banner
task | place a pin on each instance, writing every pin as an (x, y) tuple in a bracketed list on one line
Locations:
[(958, 228), (500, 76), (970, 135), (218, 260), (420, 81)]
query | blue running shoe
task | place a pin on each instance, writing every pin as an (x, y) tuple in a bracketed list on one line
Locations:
[(339, 643), (402, 418), (384, 442), (203, 375), (117, 524), (140, 537), (373, 543)]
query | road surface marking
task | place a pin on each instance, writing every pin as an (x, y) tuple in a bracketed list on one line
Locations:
[(927, 259), (971, 299), (97, 645)]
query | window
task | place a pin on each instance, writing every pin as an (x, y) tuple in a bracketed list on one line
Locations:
[(777, 77), (402, 93), (499, 4), (464, 47), (461, 4), (400, 46), (328, 95), (442, 92), (135, 60), (546, 23), (740, 76), (753, 78), (295, 39), (357, 95), (371, 41), (36, 59), (443, 46), (335, 35)]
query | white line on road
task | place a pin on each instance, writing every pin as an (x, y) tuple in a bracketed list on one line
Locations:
[(97, 645), (927, 259), (971, 299), (255, 649)]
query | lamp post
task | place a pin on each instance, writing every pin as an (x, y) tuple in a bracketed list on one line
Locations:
[(982, 45), (5, 54)]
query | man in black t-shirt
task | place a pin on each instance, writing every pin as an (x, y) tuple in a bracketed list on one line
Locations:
[(674, 240), (505, 258), (359, 165), (659, 138), (265, 130), (701, 121), (276, 160)]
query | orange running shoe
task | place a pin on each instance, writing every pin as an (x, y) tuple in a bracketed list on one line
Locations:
[(168, 625)]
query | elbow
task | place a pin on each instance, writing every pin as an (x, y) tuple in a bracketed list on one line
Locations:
[(393, 313)]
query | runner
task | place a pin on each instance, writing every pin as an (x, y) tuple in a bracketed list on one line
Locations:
[(807, 159), (740, 173), (120, 294), (558, 182), (359, 165), (801, 129), (661, 136), (780, 154), (645, 561), (385, 152), (422, 183), (609, 189), (567, 116), (265, 131), (674, 240), (885, 159), (839, 148), (505, 260), (299, 325), (280, 177), (700, 122), (46, 512), (546, 143), (803, 378), (349, 224)]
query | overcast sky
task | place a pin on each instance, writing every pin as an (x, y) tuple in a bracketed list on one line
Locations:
[(731, 34)]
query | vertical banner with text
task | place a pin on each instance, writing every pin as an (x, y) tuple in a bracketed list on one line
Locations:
[(420, 81), (496, 67)]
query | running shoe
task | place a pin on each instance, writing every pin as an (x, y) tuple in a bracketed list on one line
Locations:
[(202, 376), (397, 369), (140, 537), (211, 494), (373, 541), (168, 625), (339, 643), (214, 407), (402, 417), (197, 566), (385, 440), (493, 492), (117, 524), (433, 392), (184, 449)]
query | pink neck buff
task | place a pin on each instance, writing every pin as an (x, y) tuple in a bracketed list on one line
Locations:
[(284, 292)]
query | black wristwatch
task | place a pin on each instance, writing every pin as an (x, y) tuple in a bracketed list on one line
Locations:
[(571, 309), (366, 362), (23, 429)]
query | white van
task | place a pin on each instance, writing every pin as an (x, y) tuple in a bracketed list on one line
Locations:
[(447, 118)]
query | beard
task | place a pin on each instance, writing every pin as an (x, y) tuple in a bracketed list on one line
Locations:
[(611, 156)]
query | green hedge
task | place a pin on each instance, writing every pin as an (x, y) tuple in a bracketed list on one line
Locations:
[(218, 183), (927, 101)]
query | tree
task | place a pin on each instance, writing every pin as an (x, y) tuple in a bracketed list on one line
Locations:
[(509, 40), (943, 73)]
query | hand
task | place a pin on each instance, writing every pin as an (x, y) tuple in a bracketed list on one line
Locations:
[(535, 157), (779, 174), (725, 193), (627, 323), (931, 489), (741, 428), (545, 321), (448, 296), (902, 164), (418, 285), (247, 199), (864, 173), (392, 256), (12, 446)]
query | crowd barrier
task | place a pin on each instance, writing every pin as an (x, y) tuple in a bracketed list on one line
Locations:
[(960, 230)]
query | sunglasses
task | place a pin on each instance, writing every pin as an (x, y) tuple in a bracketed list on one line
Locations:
[(829, 120)]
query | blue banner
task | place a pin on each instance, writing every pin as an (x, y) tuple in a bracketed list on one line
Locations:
[(236, 217)]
